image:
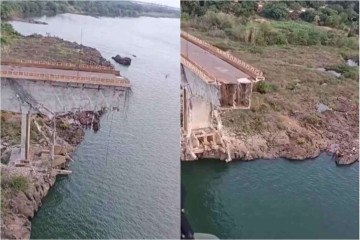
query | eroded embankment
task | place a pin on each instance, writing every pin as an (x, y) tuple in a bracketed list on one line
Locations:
[(334, 134), (23, 186)]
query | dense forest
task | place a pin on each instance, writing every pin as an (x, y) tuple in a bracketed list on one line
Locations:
[(325, 13), (11, 9)]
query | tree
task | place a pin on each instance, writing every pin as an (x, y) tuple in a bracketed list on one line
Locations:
[(276, 11), (315, 4), (245, 8), (52, 7), (308, 15), (294, 6)]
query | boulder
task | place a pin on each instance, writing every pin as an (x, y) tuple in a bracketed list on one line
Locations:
[(122, 60)]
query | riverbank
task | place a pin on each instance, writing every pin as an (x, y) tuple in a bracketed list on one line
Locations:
[(24, 185), (47, 48), (12, 10), (298, 111)]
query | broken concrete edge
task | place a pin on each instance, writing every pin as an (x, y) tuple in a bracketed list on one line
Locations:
[(21, 206)]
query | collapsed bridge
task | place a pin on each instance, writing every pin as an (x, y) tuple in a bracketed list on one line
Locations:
[(211, 80), (53, 89)]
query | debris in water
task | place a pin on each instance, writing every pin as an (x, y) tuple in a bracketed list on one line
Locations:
[(122, 60)]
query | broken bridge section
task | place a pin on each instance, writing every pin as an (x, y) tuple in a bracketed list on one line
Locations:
[(54, 89), (211, 80)]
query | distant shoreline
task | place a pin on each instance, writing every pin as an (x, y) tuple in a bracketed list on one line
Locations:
[(22, 10)]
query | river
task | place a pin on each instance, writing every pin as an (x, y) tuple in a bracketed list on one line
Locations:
[(135, 191), (273, 198)]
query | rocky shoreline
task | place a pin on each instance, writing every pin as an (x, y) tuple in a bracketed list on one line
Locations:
[(333, 132), (24, 187), (257, 147)]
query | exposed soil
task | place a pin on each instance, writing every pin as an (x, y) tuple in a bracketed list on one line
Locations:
[(53, 49)]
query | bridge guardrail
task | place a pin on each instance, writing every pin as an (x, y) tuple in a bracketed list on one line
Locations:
[(253, 72), (67, 79), (197, 70), (58, 65)]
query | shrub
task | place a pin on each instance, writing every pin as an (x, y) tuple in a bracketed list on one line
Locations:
[(217, 33), (275, 38), (311, 119), (245, 8), (238, 33), (300, 141), (276, 11), (264, 87), (7, 33), (19, 183), (35, 135), (63, 126), (216, 20), (12, 130), (308, 15), (185, 16)]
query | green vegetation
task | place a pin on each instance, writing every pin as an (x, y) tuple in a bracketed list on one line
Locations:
[(35, 135), (277, 23), (17, 183), (11, 9), (10, 130), (346, 71), (264, 87), (264, 33), (311, 119), (277, 11), (338, 14), (63, 126), (8, 34)]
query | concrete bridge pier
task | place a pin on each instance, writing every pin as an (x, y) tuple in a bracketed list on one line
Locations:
[(25, 132)]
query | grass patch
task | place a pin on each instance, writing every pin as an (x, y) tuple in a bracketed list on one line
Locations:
[(11, 130), (19, 183), (346, 71), (244, 121), (312, 119), (63, 126)]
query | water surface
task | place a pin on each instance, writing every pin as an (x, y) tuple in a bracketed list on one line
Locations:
[(273, 198)]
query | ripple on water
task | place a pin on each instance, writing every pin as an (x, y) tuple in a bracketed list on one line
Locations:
[(273, 198)]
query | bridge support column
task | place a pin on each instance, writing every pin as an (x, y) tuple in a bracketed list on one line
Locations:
[(25, 133), (52, 150)]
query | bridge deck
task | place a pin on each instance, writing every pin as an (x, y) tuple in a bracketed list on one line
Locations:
[(65, 76), (213, 65)]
